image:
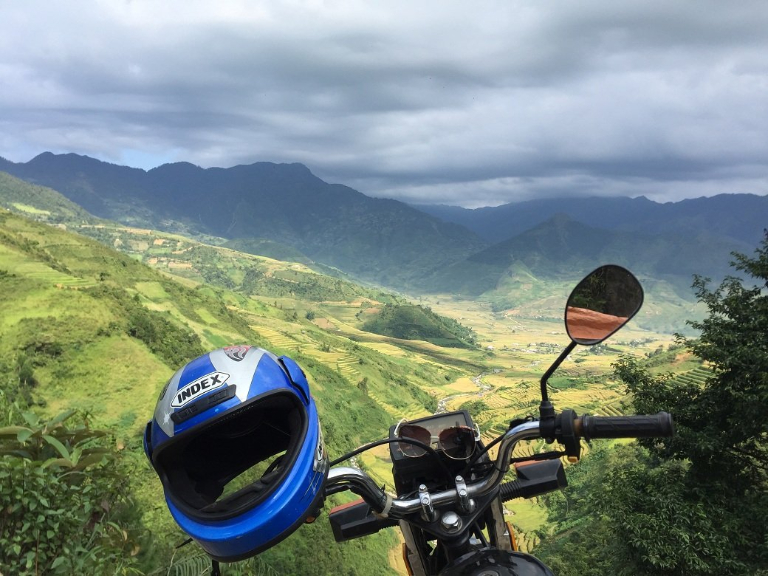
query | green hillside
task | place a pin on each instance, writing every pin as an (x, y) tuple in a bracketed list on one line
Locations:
[(91, 329), (39, 202), (85, 327), (412, 322), (100, 323), (268, 248)]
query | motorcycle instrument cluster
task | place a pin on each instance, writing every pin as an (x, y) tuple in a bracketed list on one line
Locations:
[(452, 435)]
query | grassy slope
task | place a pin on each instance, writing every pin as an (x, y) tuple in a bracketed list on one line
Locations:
[(38, 201), (60, 306), (59, 292)]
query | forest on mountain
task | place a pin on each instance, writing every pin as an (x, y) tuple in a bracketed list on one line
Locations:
[(285, 211)]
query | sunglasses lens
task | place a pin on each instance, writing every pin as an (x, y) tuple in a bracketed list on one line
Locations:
[(458, 442), (413, 433)]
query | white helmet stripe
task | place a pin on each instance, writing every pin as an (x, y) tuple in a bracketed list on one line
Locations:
[(163, 411), (240, 373)]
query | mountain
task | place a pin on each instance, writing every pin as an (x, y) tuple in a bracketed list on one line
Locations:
[(740, 217), (43, 203), (379, 240), (564, 248), (284, 211), (561, 243)]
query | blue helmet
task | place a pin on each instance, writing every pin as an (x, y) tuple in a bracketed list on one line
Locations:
[(236, 442)]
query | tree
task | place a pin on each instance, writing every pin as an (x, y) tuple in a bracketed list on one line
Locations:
[(721, 426), (720, 451), (695, 504)]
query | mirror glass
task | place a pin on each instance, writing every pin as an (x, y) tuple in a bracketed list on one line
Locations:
[(601, 304)]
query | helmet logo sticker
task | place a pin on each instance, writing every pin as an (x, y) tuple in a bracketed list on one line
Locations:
[(236, 353), (199, 387)]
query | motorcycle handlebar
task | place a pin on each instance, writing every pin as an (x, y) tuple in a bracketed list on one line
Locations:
[(344, 478), (626, 426)]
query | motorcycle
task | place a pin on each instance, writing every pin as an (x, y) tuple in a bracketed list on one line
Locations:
[(450, 491)]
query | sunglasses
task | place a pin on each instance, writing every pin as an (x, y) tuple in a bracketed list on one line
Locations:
[(456, 442)]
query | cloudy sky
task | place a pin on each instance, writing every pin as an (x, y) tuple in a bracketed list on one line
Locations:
[(468, 103)]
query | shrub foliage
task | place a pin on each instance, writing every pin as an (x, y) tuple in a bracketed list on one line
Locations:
[(61, 497)]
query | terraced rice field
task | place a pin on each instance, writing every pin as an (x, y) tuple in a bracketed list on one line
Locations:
[(516, 346), (409, 412), (696, 376), (21, 265), (278, 339)]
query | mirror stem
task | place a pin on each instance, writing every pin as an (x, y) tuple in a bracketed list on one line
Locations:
[(548, 373)]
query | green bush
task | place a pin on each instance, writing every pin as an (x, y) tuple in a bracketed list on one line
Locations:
[(173, 343), (62, 499)]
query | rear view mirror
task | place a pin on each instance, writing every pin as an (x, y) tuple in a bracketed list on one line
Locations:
[(601, 304)]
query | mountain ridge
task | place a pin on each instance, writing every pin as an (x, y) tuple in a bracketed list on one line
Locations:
[(562, 247), (378, 240), (746, 215), (287, 211)]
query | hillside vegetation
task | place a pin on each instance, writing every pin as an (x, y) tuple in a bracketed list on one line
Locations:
[(39, 202), (84, 327), (412, 322)]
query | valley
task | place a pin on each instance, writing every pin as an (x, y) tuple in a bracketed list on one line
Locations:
[(102, 313), (298, 312)]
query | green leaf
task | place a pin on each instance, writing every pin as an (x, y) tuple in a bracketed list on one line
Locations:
[(24, 434), (31, 418), (91, 460), (60, 418), (90, 451), (58, 445), (65, 462), (12, 431)]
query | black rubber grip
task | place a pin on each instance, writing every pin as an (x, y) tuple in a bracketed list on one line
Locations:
[(628, 426)]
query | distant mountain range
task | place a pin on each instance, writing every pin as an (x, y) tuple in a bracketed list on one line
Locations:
[(564, 248), (741, 217), (383, 241), (284, 210)]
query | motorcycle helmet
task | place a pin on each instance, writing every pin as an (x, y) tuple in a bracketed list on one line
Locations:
[(236, 442)]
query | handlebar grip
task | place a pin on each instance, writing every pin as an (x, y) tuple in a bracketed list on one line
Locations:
[(660, 424)]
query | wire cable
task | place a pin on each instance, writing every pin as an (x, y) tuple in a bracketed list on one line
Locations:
[(370, 445)]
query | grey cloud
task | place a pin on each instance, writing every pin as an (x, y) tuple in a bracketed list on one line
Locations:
[(429, 102)]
